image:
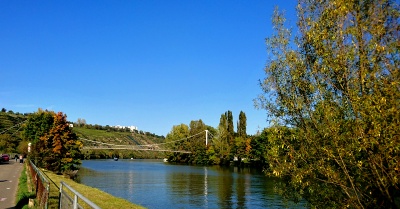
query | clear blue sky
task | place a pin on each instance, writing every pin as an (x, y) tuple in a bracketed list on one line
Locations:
[(151, 64)]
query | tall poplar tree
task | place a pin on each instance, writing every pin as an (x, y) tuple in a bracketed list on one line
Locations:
[(229, 126), (242, 125), (221, 142), (336, 85)]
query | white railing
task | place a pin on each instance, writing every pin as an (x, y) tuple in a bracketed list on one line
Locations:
[(67, 202)]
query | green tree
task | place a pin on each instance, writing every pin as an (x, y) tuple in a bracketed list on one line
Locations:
[(221, 141), (197, 142), (259, 145), (241, 148), (242, 125), (37, 125), (337, 85), (229, 126), (9, 143), (176, 140)]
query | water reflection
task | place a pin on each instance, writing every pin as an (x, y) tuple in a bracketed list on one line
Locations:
[(155, 184)]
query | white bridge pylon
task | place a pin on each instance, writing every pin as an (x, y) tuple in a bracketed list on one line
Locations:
[(145, 147)]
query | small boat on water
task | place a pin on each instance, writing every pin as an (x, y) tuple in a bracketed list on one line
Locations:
[(115, 159)]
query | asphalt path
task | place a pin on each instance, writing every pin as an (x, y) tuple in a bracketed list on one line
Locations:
[(9, 177)]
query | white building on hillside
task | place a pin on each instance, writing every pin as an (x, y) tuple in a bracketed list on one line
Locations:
[(131, 128)]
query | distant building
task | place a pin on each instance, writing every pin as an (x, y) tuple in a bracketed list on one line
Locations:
[(131, 128)]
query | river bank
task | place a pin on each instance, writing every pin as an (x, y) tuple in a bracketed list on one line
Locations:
[(100, 198)]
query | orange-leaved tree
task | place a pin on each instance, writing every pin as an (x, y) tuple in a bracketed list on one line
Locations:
[(60, 146)]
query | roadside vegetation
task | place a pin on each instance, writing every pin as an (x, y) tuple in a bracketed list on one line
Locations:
[(23, 194), (54, 147), (100, 198)]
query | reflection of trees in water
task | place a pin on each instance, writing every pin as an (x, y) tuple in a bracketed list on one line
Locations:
[(241, 191), (86, 172), (227, 185), (225, 189), (188, 186), (182, 186)]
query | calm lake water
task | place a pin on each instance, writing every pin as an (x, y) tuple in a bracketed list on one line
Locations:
[(155, 184)]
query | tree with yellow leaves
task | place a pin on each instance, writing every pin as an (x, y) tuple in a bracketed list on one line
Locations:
[(333, 91)]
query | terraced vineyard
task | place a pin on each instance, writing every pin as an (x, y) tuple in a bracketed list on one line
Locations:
[(120, 138)]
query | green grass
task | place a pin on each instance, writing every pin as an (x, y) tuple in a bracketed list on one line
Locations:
[(23, 195), (100, 198)]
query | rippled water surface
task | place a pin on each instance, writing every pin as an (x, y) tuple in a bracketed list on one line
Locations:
[(155, 184)]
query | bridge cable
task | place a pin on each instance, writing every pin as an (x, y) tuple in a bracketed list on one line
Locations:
[(13, 127)]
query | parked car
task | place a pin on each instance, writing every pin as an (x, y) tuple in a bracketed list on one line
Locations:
[(5, 157)]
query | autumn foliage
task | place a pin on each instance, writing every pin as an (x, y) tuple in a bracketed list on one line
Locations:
[(332, 91), (58, 148)]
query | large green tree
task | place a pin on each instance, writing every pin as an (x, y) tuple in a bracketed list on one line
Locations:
[(229, 126), (242, 125), (335, 84), (198, 142), (177, 140), (37, 125)]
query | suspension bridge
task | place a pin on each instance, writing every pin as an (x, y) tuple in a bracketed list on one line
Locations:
[(160, 147)]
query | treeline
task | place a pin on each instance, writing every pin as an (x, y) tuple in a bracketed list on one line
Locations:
[(4, 110), (225, 145), (121, 154), (17, 130)]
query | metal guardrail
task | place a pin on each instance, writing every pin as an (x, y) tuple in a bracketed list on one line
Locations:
[(42, 185), (67, 202)]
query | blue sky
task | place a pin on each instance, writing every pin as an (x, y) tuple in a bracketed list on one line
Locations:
[(151, 64)]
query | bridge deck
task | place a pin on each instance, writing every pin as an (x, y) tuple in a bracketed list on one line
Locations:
[(138, 149)]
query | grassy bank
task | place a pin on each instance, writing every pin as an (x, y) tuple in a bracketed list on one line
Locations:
[(23, 194), (100, 198)]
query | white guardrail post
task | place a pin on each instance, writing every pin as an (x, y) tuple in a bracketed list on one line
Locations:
[(61, 196)]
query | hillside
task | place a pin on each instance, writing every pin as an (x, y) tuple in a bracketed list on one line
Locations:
[(8, 122), (120, 138), (10, 128), (117, 137)]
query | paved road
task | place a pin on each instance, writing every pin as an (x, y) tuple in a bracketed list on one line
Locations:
[(9, 176)]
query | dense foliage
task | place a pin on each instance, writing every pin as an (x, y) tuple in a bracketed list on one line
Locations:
[(334, 96), (54, 145), (224, 144)]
